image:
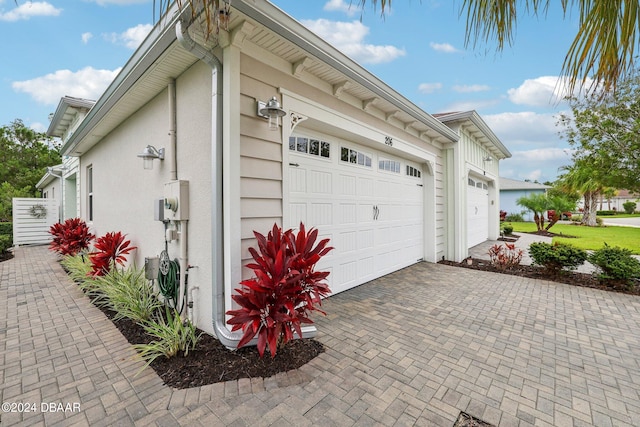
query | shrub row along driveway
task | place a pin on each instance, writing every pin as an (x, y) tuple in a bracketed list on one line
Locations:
[(417, 346)]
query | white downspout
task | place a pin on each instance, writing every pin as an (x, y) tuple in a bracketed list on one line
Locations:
[(227, 338), (173, 138), (61, 217)]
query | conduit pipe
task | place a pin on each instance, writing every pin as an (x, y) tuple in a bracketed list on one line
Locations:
[(227, 338), (173, 139)]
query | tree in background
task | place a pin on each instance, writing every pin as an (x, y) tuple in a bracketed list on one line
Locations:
[(603, 49), (541, 203), (584, 177), (24, 157), (604, 134)]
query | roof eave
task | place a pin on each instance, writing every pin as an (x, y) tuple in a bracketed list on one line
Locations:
[(276, 20), (477, 121)]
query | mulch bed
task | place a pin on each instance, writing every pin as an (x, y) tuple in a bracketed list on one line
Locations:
[(6, 255), (568, 277), (211, 362)]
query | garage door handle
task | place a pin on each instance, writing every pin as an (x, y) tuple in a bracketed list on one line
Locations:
[(376, 213), (294, 164)]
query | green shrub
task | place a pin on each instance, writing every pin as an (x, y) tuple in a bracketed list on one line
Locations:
[(556, 257), (629, 207), (508, 229), (6, 241), (606, 213), (6, 228), (616, 265), (173, 335), (76, 266), (514, 217), (127, 293)]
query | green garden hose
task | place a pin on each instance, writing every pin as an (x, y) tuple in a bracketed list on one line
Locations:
[(169, 280)]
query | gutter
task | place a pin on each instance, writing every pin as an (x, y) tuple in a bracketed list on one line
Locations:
[(227, 338), (290, 29)]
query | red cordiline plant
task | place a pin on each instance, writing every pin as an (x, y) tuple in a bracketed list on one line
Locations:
[(286, 288), (505, 257), (110, 250), (70, 237)]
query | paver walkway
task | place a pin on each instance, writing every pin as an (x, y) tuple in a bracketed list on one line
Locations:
[(413, 348)]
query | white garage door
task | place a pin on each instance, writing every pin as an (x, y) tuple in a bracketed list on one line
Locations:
[(477, 212), (368, 203)]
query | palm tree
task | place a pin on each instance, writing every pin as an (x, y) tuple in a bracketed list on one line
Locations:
[(536, 203), (603, 49), (584, 179)]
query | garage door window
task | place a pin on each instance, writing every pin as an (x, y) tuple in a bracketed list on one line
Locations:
[(389, 165), (411, 171), (314, 147), (355, 157)]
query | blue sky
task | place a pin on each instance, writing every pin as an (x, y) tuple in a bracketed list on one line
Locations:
[(54, 48)]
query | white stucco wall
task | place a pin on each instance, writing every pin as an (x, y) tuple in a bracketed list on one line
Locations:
[(124, 192)]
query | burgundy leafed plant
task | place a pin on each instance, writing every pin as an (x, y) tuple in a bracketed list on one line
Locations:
[(505, 257), (286, 288), (110, 250), (70, 237)]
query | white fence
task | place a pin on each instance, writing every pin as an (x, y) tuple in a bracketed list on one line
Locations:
[(32, 219)]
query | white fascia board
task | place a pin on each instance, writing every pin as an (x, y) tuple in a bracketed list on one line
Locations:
[(273, 18)]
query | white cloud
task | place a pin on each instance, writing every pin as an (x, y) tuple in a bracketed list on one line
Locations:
[(349, 37), (131, 37), (86, 37), (28, 10), (470, 88), (542, 91), (87, 83), (443, 47), (429, 87), (524, 128), (541, 164), (341, 6)]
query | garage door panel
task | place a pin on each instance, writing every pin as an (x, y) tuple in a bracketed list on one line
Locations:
[(374, 220), (347, 214), (347, 185), (477, 214), (320, 215), (297, 180)]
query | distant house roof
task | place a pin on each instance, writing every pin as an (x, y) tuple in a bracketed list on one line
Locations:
[(512, 184)]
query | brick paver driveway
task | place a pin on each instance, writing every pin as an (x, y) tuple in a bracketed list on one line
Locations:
[(413, 348)]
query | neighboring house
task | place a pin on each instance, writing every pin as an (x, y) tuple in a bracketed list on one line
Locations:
[(388, 183), (68, 116), (617, 202), (511, 190)]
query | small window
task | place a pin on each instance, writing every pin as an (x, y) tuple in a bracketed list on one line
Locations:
[(411, 171), (485, 186), (314, 147), (389, 165), (478, 185), (355, 157), (471, 182)]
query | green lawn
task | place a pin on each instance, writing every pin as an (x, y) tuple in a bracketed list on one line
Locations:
[(589, 238)]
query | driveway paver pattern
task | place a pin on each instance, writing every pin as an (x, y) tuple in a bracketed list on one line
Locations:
[(415, 347)]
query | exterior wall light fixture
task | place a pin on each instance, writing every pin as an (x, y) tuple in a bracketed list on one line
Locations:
[(487, 159), (271, 110), (149, 153)]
